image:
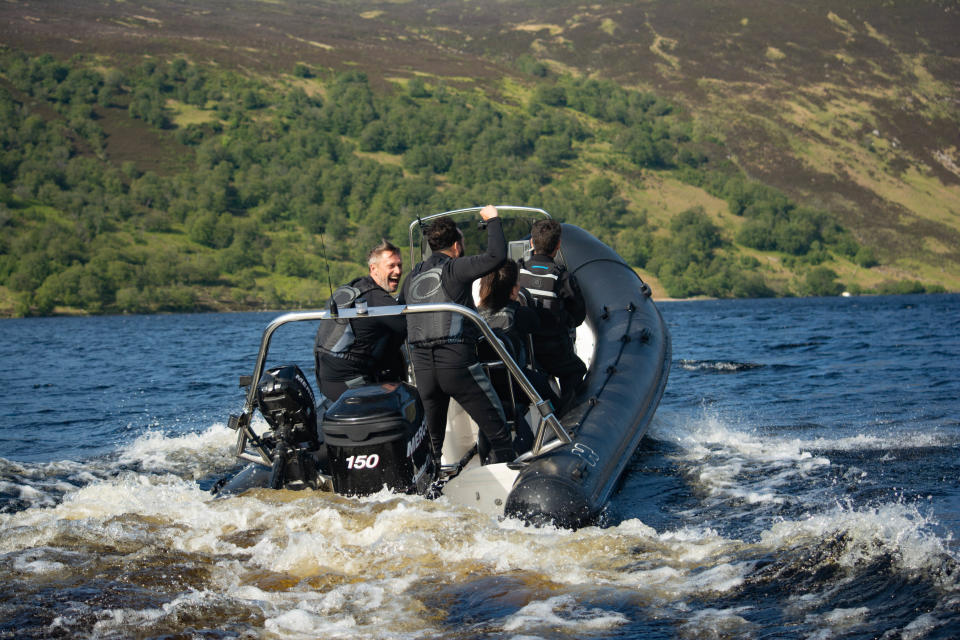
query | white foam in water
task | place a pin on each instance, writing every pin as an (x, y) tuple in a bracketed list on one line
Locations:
[(837, 622), (920, 627), (310, 625), (27, 565), (43, 484), (346, 611), (565, 613), (708, 429), (897, 531), (119, 622), (29, 493), (347, 567), (721, 578), (294, 537), (191, 452), (708, 436), (367, 553), (718, 623), (12, 488), (722, 457), (863, 442), (745, 467)]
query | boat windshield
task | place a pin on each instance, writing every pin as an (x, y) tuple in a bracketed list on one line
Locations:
[(516, 227)]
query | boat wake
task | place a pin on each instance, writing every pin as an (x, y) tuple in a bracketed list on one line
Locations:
[(763, 522)]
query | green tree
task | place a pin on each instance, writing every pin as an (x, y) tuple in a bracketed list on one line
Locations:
[(149, 105), (302, 70), (417, 88), (822, 281), (866, 257), (201, 227)]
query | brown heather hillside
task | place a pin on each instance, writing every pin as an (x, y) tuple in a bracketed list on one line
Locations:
[(848, 105)]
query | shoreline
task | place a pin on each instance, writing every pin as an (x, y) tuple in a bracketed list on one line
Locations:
[(63, 312)]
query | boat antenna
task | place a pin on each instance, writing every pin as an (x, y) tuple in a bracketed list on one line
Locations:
[(419, 226), (333, 304)]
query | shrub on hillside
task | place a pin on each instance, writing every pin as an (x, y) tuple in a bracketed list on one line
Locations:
[(900, 287), (821, 281), (866, 257)]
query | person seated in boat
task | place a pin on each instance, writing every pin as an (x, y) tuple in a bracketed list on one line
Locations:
[(503, 306), (363, 350), (560, 303), (443, 346)]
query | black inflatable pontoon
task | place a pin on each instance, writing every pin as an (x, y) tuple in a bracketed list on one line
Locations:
[(628, 372)]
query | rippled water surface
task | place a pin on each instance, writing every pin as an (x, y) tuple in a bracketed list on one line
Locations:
[(801, 480)]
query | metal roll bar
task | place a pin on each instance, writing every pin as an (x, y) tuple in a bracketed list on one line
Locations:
[(241, 423), (420, 222)]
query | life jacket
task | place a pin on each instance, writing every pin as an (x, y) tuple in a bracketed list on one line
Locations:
[(543, 283), (431, 329), (338, 337), (504, 322)]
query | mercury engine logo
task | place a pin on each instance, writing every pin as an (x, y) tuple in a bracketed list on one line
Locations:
[(418, 437), (306, 385)]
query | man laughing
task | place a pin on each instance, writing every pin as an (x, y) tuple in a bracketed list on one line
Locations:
[(363, 350)]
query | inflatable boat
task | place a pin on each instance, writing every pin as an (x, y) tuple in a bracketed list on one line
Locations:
[(374, 437)]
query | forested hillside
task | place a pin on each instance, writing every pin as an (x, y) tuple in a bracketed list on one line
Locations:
[(160, 180)]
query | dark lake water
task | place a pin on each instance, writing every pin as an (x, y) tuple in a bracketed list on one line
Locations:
[(800, 480)]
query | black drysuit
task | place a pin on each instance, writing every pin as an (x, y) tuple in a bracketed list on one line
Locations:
[(562, 308), (373, 356), (448, 367)]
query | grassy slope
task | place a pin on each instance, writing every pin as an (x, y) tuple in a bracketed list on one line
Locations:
[(850, 105)]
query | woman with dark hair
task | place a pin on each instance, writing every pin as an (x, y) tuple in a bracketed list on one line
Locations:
[(502, 306)]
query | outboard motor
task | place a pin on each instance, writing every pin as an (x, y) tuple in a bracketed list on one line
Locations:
[(376, 436), (287, 403)]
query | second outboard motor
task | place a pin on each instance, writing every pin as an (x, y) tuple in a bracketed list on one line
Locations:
[(287, 403), (376, 436), (285, 399)]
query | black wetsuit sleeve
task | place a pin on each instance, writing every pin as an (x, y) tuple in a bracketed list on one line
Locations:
[(402, 296), (465, 270), (394, 324), (392, 330), (573, 303), (527, 320)]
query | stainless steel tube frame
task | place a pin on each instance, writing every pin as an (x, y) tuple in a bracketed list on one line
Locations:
[(420, 222), (243, 422)]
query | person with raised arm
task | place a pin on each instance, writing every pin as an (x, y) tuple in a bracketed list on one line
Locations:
[(443, 345)]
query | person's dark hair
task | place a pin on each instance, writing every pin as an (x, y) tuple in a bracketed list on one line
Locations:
[(496, 286), (442, 233), (382, 247), (546, 236)]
